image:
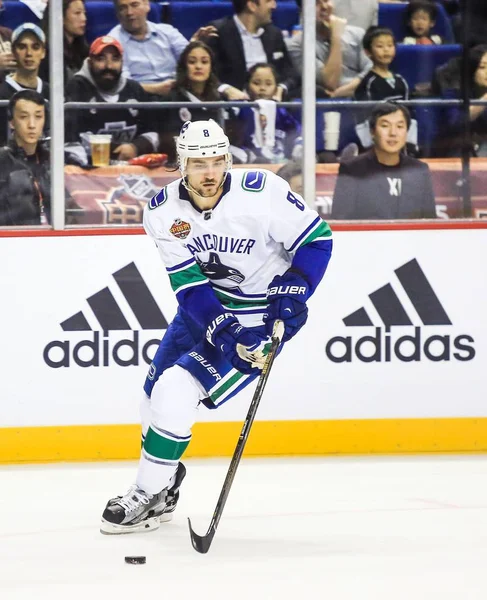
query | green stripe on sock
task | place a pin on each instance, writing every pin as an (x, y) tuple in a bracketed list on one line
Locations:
[(162, 447), (225, 386)]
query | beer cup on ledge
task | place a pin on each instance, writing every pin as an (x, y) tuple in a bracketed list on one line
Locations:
[(100, 150)]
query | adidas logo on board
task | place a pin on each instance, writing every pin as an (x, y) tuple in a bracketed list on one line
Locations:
[(383, 346), (99, 350)]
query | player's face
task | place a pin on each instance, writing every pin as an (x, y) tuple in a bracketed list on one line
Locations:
[(106, 68), (421, 23), (132, 14), (383, 50), (263, 11), (28, 52), (198, 65), (205, 175), (27, 122), (481, 72), (75, 19), (262, 84), (391, 133)]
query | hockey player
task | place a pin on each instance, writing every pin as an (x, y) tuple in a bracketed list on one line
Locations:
[(241, 251)]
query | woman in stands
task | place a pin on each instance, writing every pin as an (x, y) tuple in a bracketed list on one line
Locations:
[(196, 82), (75, 44), (453, 135)]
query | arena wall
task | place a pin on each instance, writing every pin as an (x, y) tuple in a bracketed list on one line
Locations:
[(391, 360)]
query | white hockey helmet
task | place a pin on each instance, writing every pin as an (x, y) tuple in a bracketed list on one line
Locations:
[(202, 139)]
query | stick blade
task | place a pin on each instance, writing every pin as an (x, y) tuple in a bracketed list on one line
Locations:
[(201, 543)]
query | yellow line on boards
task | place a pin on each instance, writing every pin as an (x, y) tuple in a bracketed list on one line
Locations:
[(364, 436)]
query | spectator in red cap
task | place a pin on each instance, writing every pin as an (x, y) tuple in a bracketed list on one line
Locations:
[(100, 80)]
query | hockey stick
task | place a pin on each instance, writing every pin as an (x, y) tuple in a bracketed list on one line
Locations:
[(202, 543)]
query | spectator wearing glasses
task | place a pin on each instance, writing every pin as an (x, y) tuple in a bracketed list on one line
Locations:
[(385, 183), (24, 164), (101, 79)]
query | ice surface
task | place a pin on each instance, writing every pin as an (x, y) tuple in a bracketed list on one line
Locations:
[(329, 528)]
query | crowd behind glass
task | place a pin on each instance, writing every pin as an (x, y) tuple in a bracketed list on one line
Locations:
[(382, 53)]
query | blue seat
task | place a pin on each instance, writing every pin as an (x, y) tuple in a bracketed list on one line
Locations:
[(15, 14), (417, 64), (188, 16), (392, 16), (101, 17)]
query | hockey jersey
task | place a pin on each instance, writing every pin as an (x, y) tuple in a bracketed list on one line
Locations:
[(251, 235)]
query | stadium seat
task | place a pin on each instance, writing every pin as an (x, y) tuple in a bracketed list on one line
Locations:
[(101, 17), (15, 14), (188, 16), (417, 64), (391, 15)]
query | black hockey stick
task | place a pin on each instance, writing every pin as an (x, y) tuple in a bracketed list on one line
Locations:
[(202, 543)]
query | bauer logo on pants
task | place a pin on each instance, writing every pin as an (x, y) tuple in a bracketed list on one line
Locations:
[(103, 317), (414, 342)]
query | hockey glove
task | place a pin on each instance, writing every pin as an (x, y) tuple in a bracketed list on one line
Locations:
[(240, 346), (287, 295)]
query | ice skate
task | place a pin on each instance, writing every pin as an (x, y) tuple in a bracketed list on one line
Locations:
[(138, 511)]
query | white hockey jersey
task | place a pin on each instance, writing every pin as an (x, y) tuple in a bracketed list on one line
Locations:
[(239, 246)]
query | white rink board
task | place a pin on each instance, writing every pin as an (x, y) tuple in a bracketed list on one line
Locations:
[(47, 280)]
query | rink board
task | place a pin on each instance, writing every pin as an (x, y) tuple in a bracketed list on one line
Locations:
[(392, 358)]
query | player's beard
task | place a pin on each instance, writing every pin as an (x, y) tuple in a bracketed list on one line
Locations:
[(208, 192)]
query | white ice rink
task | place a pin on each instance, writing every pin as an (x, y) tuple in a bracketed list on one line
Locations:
[(329, 528)]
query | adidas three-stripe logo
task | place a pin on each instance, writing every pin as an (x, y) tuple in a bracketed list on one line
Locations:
[(389, 307), (382, 345), (109, 314)]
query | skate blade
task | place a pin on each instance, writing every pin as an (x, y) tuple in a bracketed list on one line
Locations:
[(108, 528)]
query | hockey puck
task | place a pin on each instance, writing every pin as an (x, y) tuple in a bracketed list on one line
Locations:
[(135, 560)]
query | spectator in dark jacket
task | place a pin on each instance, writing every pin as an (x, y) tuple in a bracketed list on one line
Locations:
[(384, 183), (24, 164), (100, 80), (247, 38)]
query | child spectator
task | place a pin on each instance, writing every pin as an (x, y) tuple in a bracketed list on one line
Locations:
[(270, 134), (380, 83), (420, 17)]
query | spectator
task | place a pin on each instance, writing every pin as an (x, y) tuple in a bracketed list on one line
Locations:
[(196, 82), (292, 173), (361, 14), (384, 183), (28, 49), (340, 61), (75, 44), (381, 83), (452, 137), (420, 17), (7, 61), (24, 164), (270, 134), (247, 38), (101, 80), (151, 49)]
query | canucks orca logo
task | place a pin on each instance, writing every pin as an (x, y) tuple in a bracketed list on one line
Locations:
[(215, 270)]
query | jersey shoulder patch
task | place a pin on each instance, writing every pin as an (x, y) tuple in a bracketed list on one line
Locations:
[(158, 199), (254, 181)]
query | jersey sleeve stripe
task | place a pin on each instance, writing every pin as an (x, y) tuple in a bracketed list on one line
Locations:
[(322, 232), (303, 235), (180, 266), (188, 277)]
